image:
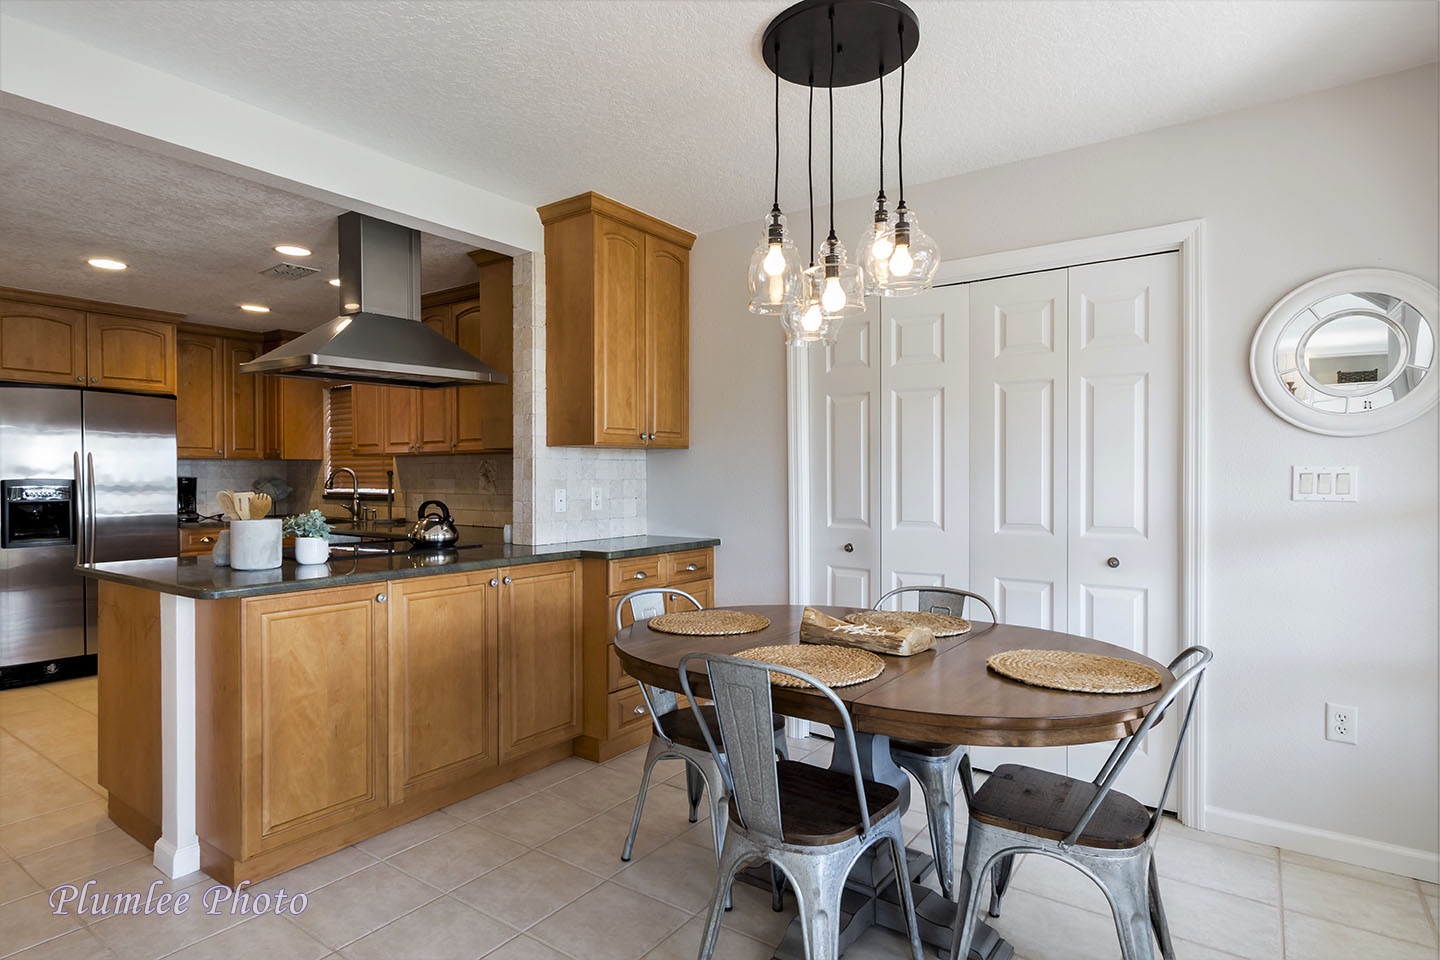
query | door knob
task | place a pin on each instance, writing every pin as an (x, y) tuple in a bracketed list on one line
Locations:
[(1113, 562), (849, 548)]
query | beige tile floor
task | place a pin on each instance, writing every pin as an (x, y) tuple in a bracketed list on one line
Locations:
[(531, 871)]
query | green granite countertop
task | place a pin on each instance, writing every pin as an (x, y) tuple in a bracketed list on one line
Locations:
[(200, 579)]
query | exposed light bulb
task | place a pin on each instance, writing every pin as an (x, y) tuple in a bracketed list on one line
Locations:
[(775, 285), (774, 260), (901, 263), (833, 299), (812, 318), (882, 246)]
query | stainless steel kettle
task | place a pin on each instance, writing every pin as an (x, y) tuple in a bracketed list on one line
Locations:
[(434, 528)]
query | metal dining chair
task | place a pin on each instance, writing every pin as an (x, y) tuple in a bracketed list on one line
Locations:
[(676, 734), (811, 823), (934, 765), (1105, 834)]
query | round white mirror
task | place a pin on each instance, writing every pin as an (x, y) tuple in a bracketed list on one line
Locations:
[(1350, 353)]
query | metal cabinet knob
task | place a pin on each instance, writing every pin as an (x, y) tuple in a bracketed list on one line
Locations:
[(94, 379), (640, 711), (380, 598), (79, 379), (219, 453), (494, 582), (849, 548), (1113, 562), (507, 581), (642, 434)]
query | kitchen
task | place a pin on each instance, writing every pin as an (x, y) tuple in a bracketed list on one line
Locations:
[(751, 518)]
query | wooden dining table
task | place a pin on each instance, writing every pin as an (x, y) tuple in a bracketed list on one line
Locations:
[(947, 695)]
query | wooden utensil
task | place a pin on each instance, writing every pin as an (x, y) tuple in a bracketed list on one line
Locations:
[(226, 499), (260, 506)]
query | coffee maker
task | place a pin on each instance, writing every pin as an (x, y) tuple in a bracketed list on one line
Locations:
[(187, 510)]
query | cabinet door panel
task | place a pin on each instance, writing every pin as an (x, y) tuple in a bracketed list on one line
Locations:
[(199, 396), (128, 354), (368, 408), (295, 419), (442, 680), (540, 658), (402, 419), (41, 344), (486, 328), (619, 334), (315, 705), (667, 342), (245, 420), (435, 407)]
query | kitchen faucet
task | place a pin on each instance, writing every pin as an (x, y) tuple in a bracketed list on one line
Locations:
[(354, 505)]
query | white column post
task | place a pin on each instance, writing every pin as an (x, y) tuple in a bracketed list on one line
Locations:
[(177, 852)]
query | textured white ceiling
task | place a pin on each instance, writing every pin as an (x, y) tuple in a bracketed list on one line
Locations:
[(664, 104)]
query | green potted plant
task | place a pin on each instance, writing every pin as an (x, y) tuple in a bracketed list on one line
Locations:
[(312, 536)]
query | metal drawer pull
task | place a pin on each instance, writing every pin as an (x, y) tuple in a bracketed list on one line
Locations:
[(207, 539), (692, 566), (640, 574), (640, 710)]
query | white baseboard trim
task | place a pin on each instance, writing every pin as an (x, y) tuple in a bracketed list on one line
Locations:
[(1347, 848)]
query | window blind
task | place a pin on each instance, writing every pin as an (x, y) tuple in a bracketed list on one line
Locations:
[(340, 447)]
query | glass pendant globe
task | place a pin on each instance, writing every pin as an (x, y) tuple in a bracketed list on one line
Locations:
[(776, 271), (874, 249), (913, 261), (805, 323), (834, 282)]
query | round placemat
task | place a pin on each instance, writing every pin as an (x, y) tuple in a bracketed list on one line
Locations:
[(1074, 671), (832, 665), (709, 623), (939, 624)]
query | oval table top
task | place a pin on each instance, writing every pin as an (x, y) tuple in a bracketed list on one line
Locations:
[(946, 694)]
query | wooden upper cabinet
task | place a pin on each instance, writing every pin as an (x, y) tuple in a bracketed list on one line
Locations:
[(200, 396), (245, 392), (434, 425), (45, 338), (294, 419), (617, 326), (485, 327), (127, 353), (41, 344)]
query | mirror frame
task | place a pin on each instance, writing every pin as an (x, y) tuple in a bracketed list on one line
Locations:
[(1418, 293)]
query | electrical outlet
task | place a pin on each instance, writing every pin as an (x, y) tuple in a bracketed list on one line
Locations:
[(559, 499), (1342, 723), (597, 498)]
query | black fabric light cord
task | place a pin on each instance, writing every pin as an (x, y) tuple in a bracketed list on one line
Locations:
[(832, 123), (882, 126), (810, 164), (900, 132), (777, 124)]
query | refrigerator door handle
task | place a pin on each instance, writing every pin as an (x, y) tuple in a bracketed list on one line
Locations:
[(80, 513), (90, 507)]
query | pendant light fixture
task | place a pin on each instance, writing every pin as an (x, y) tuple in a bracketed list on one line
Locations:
[(845, 42), (913, 256), (776, 272)]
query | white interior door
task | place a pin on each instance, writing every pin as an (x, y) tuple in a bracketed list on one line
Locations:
[(845, 428), (924, 481), (1076, 420)]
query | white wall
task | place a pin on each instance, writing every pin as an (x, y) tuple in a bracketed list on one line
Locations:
[(1304, 602)]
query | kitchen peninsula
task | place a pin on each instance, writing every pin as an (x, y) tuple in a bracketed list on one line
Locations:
[(251, 721)]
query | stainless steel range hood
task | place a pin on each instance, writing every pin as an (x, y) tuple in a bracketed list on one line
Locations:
[(378, 338)]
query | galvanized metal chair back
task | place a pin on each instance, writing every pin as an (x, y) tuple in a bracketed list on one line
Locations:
[(740, 690), (947, 600), (644, 604)]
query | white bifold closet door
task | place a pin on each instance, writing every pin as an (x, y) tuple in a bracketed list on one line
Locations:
[(1075, 469)]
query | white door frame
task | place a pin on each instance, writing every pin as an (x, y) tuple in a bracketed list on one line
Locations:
[(1186, 238)]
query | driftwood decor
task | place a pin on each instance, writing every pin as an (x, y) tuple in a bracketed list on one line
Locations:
[(816, 627)]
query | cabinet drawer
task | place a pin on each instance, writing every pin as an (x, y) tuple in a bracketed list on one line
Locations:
[(615, 672), (690, 565), (198, 543), (627, 712), (635, 573)]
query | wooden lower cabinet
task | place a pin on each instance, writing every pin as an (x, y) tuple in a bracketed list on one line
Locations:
[(615, 719), (328, 716)]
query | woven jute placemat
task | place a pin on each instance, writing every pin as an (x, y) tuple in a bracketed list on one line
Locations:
[(709, 623), (832, 665), (937, 623), (1074, 671)]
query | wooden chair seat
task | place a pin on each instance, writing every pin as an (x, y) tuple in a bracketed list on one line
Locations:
[(1043, 804), (682, 728), (924, 747), (818, 806)]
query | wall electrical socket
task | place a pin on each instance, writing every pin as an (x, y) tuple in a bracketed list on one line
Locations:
[(597, 498), (1342, 723), (559, 499)]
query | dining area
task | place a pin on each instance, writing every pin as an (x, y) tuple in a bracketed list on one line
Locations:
[(903, 720)]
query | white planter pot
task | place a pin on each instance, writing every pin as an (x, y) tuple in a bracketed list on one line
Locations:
[(311, 550), (255, 544)]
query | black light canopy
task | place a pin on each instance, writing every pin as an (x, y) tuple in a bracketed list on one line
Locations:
[(867, 32)]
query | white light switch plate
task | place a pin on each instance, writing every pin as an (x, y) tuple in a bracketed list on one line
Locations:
[(1324, 483)]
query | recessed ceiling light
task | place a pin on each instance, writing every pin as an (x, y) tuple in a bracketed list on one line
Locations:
[(254, 308), (290, 250), (335, 282), (105, 263)]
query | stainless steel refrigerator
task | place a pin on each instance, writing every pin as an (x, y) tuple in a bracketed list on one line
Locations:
[(85, 477)]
